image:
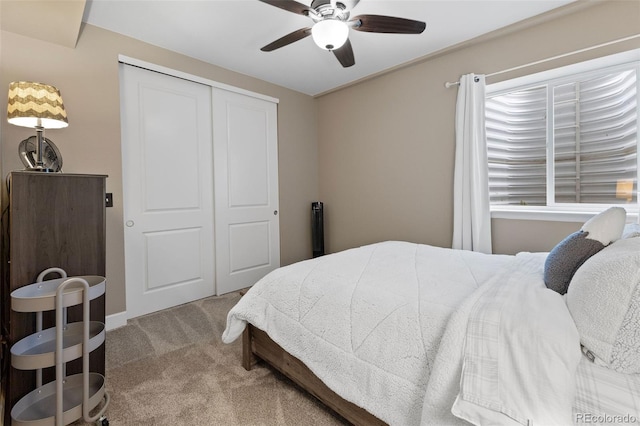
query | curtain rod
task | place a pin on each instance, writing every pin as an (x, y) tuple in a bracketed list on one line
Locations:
[(455, 83)]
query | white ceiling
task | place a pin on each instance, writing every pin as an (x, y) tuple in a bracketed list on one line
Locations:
[(230, 33)]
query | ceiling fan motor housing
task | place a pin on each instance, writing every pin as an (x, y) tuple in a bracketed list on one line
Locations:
[(325, 10)]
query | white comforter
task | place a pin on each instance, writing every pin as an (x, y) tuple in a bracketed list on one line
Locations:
[(369, 323)]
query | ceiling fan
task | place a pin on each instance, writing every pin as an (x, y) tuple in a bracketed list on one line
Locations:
[(331, 23)]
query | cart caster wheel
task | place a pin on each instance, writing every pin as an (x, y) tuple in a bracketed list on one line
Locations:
[(102, 421)]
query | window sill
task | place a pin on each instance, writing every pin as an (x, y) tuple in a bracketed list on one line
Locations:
[(555, 214)]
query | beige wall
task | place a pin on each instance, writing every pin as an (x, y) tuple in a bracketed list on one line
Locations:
[(386, 160), (87, 77)]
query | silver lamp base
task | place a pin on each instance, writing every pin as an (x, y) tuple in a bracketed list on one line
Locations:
[(51, 159)]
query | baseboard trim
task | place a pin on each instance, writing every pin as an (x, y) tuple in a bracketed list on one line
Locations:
[(114, 321)]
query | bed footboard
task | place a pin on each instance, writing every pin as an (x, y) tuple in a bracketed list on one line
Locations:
[(256, 344)]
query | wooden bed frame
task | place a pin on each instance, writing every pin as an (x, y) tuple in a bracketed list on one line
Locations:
[(256, 344)]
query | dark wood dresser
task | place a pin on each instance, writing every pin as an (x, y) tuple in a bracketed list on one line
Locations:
[(54, 220)]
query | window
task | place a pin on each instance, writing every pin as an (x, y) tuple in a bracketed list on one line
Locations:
[(567, 140)]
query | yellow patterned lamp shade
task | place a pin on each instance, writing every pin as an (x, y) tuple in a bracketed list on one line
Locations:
[(35, 105)]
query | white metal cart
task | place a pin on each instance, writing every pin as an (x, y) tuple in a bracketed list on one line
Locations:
[(67, 398)]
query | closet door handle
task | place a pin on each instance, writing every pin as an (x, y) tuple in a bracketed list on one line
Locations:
[(275, 212), (130, 223)]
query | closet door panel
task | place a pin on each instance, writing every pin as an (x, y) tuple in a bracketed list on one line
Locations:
[(168, 190), (246, 189)]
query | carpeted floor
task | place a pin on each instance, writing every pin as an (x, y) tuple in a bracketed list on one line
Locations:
[(171, 368)]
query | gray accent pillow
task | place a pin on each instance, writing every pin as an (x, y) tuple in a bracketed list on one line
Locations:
[(565, 259)]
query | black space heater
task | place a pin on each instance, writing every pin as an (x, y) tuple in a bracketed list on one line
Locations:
[(317, 229)]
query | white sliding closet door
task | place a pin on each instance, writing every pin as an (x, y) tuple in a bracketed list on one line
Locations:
[(167, 190), (246, 189)]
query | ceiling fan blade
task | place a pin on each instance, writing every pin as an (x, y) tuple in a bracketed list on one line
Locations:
[(289, 5), (288, 39), (387, 24), (345, 54)]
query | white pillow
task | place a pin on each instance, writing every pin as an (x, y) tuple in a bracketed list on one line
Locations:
[(604, 300), (607, 226)]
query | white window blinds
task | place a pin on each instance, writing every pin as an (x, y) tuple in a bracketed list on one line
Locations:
[(516, 147), (571, 140)]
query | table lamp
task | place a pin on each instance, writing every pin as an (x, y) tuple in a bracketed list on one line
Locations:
[(38, 106)]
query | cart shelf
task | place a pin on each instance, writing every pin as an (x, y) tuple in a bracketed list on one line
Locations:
[(38, 407), (38, 350), (41, 296)]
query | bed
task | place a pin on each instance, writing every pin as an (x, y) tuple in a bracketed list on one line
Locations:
[(410, 334)]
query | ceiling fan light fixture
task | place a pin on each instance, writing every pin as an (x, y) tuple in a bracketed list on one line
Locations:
[(330, 34)]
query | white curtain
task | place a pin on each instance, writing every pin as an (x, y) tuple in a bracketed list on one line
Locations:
[(471, 216)]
